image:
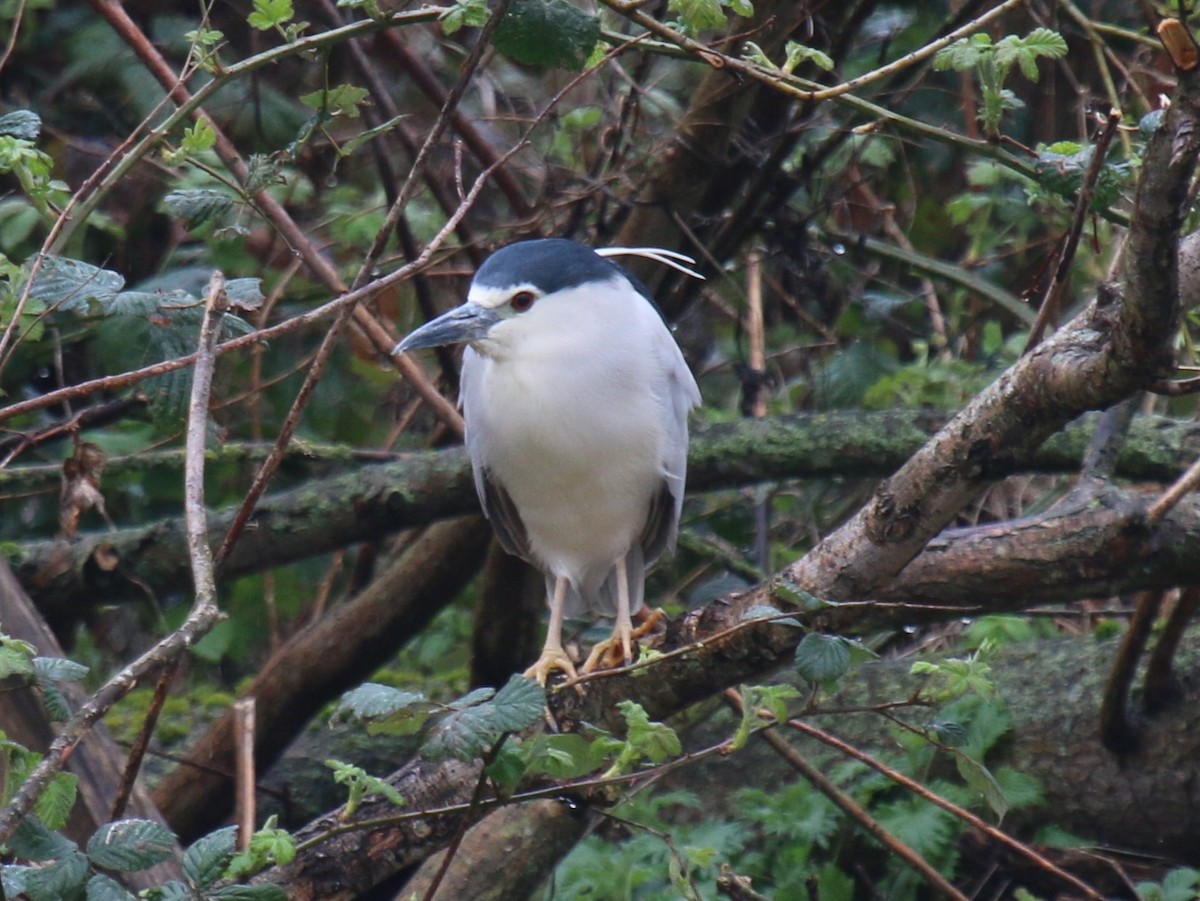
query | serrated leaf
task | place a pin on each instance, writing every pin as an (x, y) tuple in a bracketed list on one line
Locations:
[(55, 702), (245, 294), (766, 611), (59, 669), (341, 100), (22, 123), (822, 658), (473, 13), (33, 840), (206, 859), (12, 879), (980, 778), (53, 806), (553, 33), (564, 756), (270, 14), (654, 741), (385, 709), (472, 698), (466, 733), (14, 661), (175, 891), (506, 769), (62, 880), (798, 54), (198, 138), (250, 893), (1020, 789), (197, 205), (105, 888), (696, 15), (518, 704), (950, 733), (71, 284), (130, 845)]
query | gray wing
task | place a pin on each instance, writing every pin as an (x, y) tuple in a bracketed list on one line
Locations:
[(497, 505), (680, 395)]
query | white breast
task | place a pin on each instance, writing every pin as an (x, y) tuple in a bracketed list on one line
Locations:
[(565, 415)]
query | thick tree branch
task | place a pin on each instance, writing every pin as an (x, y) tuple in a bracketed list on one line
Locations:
[(1121, 343), (417, 489)]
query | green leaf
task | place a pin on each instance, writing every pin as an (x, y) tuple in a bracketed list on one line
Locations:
[(22, 123), (980, 778), (72, 284), (743, 8), (696, 15), (268, 846), (16, 659), (269, 14), (467, 732), (518, 704), (950, 733), (250, 893), (565, 756), (506, 769), (386, 710), (59, 669), (766, 611), (130, 845), (464, 13), (343, 100), (652, 741), (208, 856), (53, 806), (798, 54), (245, 294), (198, 138), (552, 33), (360, 784), (822, 658), (62, 880), (34, 840), (760, 704), (197, 205), (105, 888)]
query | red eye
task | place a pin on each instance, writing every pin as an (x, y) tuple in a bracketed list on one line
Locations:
[(522, 301)]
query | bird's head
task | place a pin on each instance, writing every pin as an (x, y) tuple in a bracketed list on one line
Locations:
[(510, 285)]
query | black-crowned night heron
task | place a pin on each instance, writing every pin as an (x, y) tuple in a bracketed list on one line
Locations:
[(575, 398)]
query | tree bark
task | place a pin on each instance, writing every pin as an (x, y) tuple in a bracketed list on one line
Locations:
[(377, 499), (319, 663)]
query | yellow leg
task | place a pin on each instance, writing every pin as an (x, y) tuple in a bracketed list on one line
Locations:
[(604, 655), (553, 656)]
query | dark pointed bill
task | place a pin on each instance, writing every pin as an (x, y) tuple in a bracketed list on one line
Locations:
[(462, 325)]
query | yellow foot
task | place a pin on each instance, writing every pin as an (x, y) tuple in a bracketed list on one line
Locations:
[(551, 659), (608, 654), (650, 618)]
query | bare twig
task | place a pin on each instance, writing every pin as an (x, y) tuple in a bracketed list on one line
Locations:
[(329, 342), (1169, 499), (962, 813), (243, 711), (1052, 301), (137, 751), (849, 806), (204, 613)]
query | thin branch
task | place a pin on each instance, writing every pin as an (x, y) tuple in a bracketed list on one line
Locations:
[(1169, 499), (933, 798), (1052, 301), (204, 613), (849, 806)]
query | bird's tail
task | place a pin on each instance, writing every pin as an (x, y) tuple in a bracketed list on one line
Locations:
[(597, 596)]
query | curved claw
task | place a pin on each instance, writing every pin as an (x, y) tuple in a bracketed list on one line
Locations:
[(551, 659)]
